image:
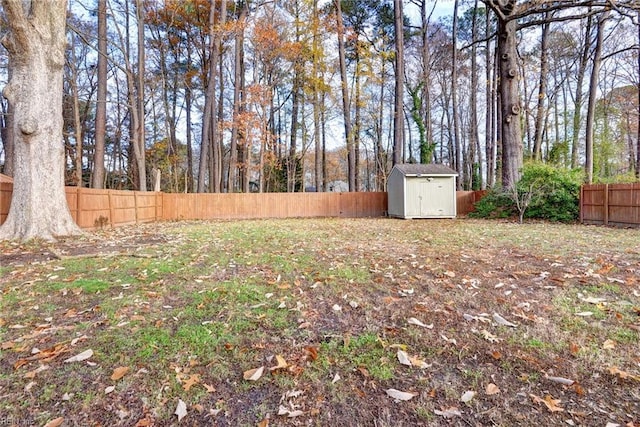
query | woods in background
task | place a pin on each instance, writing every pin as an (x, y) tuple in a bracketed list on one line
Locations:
[(309, 95)]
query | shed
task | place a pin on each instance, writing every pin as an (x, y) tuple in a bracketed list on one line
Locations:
[(422, 191)]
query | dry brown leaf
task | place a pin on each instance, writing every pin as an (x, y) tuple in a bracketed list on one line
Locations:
[(253, 374), (264, 423), (210, 388), (55, 423), (492, 389), (551, 403), (282, 364), (7, 345), (614, 370), (313, 352), (191, 381), (119, 372), (32, 374), (609, 345), (144, 422)]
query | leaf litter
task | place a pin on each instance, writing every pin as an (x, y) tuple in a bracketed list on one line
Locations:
[(483, 301)]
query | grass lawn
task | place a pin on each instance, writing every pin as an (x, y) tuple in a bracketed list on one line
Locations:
[(322, 322)]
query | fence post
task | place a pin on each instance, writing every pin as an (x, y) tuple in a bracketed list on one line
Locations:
[(112, 210), (582, 204), (135, 204), (606, 204)]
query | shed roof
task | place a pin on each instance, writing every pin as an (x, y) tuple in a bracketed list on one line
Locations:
[(413, 169), (5, 178)]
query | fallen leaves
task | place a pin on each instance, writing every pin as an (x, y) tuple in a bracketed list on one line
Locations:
[(119, 372), (623, 375), (491, 389), (553, 405), (253, 374), (80, 356), (55, 422), (451, 412), (405, 359), (181, 410), (400, 395)]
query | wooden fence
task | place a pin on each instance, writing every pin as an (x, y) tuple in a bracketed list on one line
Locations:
[(93, 209), (610, 204)]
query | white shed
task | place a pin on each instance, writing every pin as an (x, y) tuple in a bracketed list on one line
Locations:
[(422, 191)]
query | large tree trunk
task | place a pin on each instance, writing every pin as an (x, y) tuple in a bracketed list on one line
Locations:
[(233, 178), (36, 46), (511, 134), (398, 112), (593, 87), (542, 91), (638, 132), (316, 98), (346, 105), (101, 101), (577, 109), (457, 145)]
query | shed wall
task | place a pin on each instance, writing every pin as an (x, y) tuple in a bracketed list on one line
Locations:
[(396, 194)]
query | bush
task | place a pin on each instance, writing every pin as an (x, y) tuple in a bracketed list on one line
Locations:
[(495, 204), (552, 194), (559, 199)]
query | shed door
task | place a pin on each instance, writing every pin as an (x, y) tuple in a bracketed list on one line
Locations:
[(429, 197)]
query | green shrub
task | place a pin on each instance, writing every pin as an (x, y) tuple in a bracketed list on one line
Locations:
[(559, 198), (495, 204), (554, 195)]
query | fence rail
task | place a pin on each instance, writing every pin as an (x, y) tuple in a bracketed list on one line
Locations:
[(610, 204), (92, 208)]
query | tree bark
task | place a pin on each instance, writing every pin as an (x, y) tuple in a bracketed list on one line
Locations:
[(233, 178), (36, 46), (638, 132), (98, 179), (346, 105), (593, 87), (398, 112), (511, 134), (542, 91), (454, 100)]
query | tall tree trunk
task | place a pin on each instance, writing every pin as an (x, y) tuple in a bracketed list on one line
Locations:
[(346, 105), (510, 135), (98, 180), (457, 145), (426, 85), (542, 90), (238, 87), (474, 144), (292, 161), (593, 88), (316, 98), (490, 140), (77, 124), (209, 111), (398, 111), (36, 46), (577, 106), (638, 112), (139, 147)]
